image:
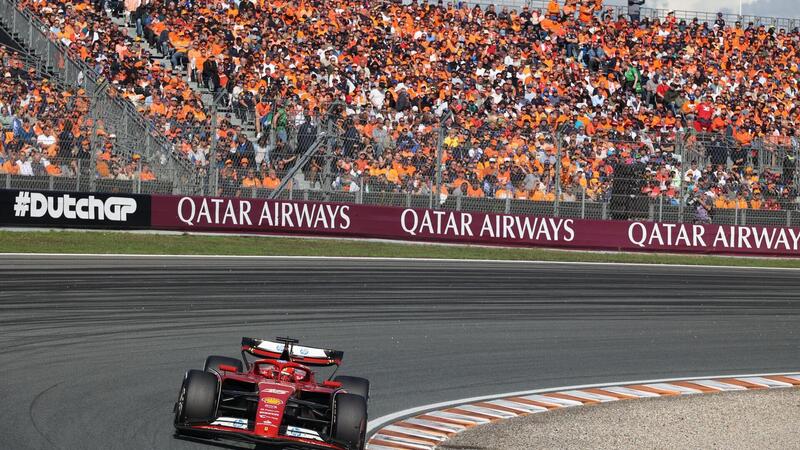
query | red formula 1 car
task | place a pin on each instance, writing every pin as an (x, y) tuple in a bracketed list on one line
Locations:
[(274, 400)]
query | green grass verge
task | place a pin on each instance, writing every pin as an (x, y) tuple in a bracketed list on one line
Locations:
[(136, 243)]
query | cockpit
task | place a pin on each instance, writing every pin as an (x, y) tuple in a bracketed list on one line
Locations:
[(289, 372)]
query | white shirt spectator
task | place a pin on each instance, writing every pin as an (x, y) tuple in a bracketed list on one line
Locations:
[(376, 97), (45, 141), (25, 167)]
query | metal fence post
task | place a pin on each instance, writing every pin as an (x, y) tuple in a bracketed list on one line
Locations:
[(215, 179), (557, 203), (583, 203), (660, 208), (439, 157), (139, 176), (93, 136), (682, 186)]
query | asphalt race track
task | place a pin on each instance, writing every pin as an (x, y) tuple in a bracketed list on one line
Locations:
[(92, 349)]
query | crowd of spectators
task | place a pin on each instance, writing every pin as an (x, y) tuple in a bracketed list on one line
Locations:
[(620, 91), (151, 85), (46, 130)]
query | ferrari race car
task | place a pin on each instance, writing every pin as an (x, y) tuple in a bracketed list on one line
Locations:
[(274, 399)]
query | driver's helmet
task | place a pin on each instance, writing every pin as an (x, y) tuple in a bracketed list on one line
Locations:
[(292, 374), (267, 370), (288, 374)]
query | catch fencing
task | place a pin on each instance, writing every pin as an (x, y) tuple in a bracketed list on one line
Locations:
[(655, 183), (654, 176)]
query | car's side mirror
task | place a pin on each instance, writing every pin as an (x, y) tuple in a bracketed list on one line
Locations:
[(331, 384), (227, 368)]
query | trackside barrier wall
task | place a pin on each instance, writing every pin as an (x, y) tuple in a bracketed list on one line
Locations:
[(308, 218)]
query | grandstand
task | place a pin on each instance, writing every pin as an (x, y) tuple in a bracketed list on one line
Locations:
[(555, 109)]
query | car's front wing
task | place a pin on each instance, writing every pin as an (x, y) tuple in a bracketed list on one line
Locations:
[(227, 432)]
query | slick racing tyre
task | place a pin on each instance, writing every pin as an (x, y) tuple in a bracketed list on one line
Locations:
[(354, 385), (214, 361), (350, 420), (197, 401)]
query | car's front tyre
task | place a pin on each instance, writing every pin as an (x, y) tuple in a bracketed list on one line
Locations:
[(350, 420), (197, 400)]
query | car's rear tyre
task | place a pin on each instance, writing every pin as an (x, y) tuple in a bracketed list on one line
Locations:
[(197, 401), (214, 361), (354, 385), (350, 420)]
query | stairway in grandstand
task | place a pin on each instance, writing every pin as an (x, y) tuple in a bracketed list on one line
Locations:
[(206, 95)]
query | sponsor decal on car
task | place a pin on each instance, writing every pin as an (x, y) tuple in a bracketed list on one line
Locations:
[(273, 401), (302, 433), (275, 391), (232, 422)]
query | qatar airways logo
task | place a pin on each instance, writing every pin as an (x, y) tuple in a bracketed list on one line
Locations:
[(35, 204), (504, 226)]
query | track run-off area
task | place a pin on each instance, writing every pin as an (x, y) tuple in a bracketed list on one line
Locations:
[(93, 348)]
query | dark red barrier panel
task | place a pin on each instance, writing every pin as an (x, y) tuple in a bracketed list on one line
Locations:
[(350, 220)]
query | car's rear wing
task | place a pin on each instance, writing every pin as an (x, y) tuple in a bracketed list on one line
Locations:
[(287, 349)]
